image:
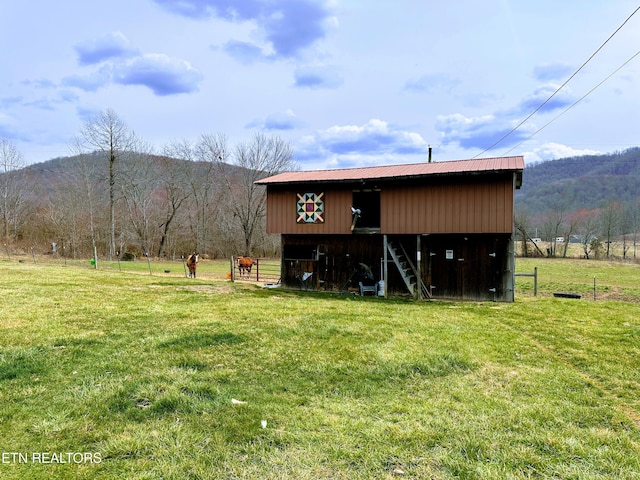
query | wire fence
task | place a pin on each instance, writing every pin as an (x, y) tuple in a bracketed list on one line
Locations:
[(265, 270), (578, 279), (540, 278)]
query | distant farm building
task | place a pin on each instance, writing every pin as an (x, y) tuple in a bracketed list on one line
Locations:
[(429, 230)]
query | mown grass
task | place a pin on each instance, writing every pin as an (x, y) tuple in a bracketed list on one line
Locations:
[(142, 369), (614, 280)]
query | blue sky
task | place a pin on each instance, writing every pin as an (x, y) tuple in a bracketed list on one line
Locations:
[(346, 82)]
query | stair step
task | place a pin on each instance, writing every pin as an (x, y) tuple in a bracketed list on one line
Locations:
[(408, 272)]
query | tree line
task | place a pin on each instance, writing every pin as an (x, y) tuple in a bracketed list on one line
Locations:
[(591, 200), (118, 197), (596, 229)]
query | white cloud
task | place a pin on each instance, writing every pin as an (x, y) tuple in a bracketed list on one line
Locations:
[(280, 121), (106, 47), (356, 145), (159, 72), (324, 76), (552, 71), (436, 82), (430, 72), (90, 82), (288, 26), (551, 151), (480, 132)]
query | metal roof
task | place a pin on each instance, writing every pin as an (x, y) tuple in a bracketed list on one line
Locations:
[(453, 167)]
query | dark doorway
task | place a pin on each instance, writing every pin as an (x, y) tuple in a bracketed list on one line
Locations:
[(368, 202)]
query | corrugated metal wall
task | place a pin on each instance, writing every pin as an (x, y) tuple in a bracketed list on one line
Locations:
[(471, 204), (281, 212), (469, 207)]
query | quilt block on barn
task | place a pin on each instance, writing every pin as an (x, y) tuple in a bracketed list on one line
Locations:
[(310, 208)]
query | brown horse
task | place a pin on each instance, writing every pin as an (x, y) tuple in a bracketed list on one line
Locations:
[(192, 264), (245, 264)]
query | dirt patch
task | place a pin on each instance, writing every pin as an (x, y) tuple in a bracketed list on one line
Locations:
[(617, 294), (611, 293), (208, 288)]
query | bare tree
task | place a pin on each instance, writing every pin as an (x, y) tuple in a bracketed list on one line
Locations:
[(208, 188), (173, 180), (556, 222), (610, 222), (11, 199), (138, 184), (587, 228), (108, 134), (262, 157), (571, 224), (523, 227), (629, 226), (551, 227), (85, 186)]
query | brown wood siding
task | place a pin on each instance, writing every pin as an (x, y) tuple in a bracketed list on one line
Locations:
[(461, 207), (281, 212)]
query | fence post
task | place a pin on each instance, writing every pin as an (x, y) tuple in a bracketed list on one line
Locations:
[(535, 279), (257, 269), (232, 269)]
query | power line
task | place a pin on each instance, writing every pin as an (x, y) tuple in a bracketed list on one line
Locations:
[(559, 88), (574, 103)]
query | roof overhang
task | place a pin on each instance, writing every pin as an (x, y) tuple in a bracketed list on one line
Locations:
[(498, 165)]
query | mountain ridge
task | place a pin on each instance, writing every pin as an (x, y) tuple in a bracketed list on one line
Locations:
[(585, 182)]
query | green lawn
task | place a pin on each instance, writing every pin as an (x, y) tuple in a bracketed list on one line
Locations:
[(139, 376), (613, 280)]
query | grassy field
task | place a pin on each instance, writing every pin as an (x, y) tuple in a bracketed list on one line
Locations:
[(613, 280), (113, 373)]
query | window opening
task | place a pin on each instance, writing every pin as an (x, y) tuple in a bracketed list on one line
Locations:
[(368, 202)]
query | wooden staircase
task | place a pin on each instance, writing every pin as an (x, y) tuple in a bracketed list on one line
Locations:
[(408, 271)]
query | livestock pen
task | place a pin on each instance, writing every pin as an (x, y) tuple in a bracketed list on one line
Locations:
[(263, 270)]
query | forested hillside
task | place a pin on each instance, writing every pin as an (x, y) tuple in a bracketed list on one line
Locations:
[(144, 204), (593, 200), (167, 207), (164, 206), (577, 183)]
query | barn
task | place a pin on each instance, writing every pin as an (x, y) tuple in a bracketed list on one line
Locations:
[(434, 230)]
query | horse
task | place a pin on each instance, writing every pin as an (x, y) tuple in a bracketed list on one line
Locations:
[(192, 264), (245, 264)]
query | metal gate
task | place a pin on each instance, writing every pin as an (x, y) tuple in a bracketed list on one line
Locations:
[(262, 270)]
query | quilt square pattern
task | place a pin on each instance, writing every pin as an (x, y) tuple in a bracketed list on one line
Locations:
[(310, 208)]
